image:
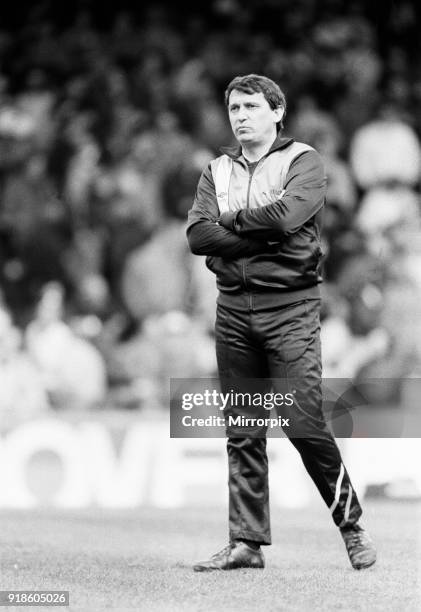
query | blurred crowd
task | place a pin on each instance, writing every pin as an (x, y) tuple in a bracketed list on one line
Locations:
[(104, 131)]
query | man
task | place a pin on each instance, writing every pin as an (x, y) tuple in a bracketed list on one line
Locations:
[(257, 216)]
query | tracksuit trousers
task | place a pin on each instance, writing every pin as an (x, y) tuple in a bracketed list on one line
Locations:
[(281, 345)]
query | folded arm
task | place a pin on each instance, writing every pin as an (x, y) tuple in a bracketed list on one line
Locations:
[(304, 195)]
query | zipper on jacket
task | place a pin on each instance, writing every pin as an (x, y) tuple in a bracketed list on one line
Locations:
[(251, 172), (243, 263), (246, 287)]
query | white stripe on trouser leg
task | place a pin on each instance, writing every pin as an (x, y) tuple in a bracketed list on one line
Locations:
[(338, 489), (348, 504)]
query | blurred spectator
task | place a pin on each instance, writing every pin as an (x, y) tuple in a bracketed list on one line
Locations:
[(382, 211), (156, 278), (72, 369), (17, 130), (30, 209), (23, 393), (37, 100), (346, 351), (386, 150), (82, 166)]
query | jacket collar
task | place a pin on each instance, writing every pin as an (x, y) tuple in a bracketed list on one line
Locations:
[(280, 142)]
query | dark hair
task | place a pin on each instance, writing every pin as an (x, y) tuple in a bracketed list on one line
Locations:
[(254, 83)]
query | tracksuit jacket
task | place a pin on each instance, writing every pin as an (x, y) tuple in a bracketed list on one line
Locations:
[(271, 253)]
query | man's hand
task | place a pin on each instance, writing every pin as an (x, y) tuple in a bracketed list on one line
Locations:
[(227, 220)]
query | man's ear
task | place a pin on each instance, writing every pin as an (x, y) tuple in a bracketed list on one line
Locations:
[(279, 113)]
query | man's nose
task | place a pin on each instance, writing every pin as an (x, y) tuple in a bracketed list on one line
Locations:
[(242, 113)]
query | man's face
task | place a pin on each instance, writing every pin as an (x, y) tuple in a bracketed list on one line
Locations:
[(252, 119)]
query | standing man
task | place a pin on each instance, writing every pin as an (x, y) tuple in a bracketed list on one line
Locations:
[(257, 217)]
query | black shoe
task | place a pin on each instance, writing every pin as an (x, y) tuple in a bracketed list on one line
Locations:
[(233, 556), (360, 548)]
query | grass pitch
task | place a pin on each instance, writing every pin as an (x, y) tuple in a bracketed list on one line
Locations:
[(114, 560)]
